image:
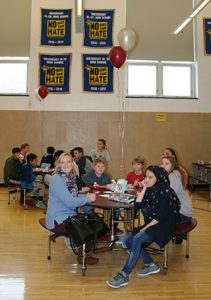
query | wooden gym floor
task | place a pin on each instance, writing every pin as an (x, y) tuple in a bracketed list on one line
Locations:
[(26, 274)]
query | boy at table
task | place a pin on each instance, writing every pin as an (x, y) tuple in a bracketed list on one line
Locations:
[(96, 178), (31, 182), (135, 177)]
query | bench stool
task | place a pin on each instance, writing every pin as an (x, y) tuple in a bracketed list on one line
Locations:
[(52, 236), (181, 230)]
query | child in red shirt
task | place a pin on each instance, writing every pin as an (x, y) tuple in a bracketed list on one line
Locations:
[(135, 177)]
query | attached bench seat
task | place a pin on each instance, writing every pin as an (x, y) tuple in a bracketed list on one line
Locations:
[(52, 236), (181, 230)]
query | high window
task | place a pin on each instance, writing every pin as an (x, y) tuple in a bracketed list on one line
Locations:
[(14, 75), (160, 79)]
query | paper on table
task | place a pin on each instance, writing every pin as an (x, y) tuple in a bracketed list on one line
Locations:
[(104, 195)]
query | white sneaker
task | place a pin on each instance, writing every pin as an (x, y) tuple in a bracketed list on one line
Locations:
[(118, 243), (148, 269)]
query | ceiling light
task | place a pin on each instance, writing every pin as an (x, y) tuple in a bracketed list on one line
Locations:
[(196, 10)]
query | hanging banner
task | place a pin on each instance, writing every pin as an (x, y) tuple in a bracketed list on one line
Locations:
[(97, 73), (98, 28), (56, 27), (207, 36), (55, 72)]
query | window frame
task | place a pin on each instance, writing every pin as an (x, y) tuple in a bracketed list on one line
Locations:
[(142, 63), (159, 77), (17, 60)]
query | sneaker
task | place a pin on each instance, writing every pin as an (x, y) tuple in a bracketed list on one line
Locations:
[(41, 204), (117, 281), (148, 269), (124, 246), (34, 194), (118, 243)]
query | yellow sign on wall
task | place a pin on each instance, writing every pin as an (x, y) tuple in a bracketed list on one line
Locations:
[(161, 117)]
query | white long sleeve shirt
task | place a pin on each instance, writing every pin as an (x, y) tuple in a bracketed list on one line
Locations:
[(186, 208)]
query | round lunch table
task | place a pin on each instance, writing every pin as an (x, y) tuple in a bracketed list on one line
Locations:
[(104, 203)]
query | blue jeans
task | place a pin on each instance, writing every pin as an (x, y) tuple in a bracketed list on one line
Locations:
[(88, 209), (135, 244)]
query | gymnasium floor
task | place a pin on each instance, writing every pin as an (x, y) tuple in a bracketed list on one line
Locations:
[(27, 274)]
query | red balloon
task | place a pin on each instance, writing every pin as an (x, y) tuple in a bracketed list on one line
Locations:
[(117, 56), (43, 91)]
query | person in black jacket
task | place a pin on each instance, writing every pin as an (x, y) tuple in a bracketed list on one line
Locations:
[(84, 163), (12, 167), (161, 211), (48, 158)]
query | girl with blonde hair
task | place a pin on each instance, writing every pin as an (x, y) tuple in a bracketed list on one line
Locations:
[(64, 199), (177, 183)]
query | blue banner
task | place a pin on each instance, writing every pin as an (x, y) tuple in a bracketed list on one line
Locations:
[(98, 28), (55, 72), (56, 27), (207, 35), (97, 73)]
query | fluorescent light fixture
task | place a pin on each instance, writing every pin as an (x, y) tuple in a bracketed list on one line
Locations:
[(78, 15), (199, 7), (182, 25), (196, 10), (79, 7)]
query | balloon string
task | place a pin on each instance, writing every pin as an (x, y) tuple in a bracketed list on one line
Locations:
[(123, 142), (118, 85), (41, 124), (121, 150), (122, 121)]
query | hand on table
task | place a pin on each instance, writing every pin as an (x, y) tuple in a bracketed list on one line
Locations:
[(85, 189), (91, 196)]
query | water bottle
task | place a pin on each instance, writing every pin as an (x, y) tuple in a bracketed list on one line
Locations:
[(113, 185)]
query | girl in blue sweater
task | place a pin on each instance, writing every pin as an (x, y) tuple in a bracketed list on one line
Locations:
[(63, 197)]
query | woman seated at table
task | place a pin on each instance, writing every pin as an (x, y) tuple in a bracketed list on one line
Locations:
[(162, 206), (64, 199), (101, 151), (177, 183), (172, 152)]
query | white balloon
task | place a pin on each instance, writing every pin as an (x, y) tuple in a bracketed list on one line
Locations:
[(127, 39), (37, 95)]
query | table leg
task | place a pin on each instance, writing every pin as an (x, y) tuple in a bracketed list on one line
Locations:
[(112, 226)]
